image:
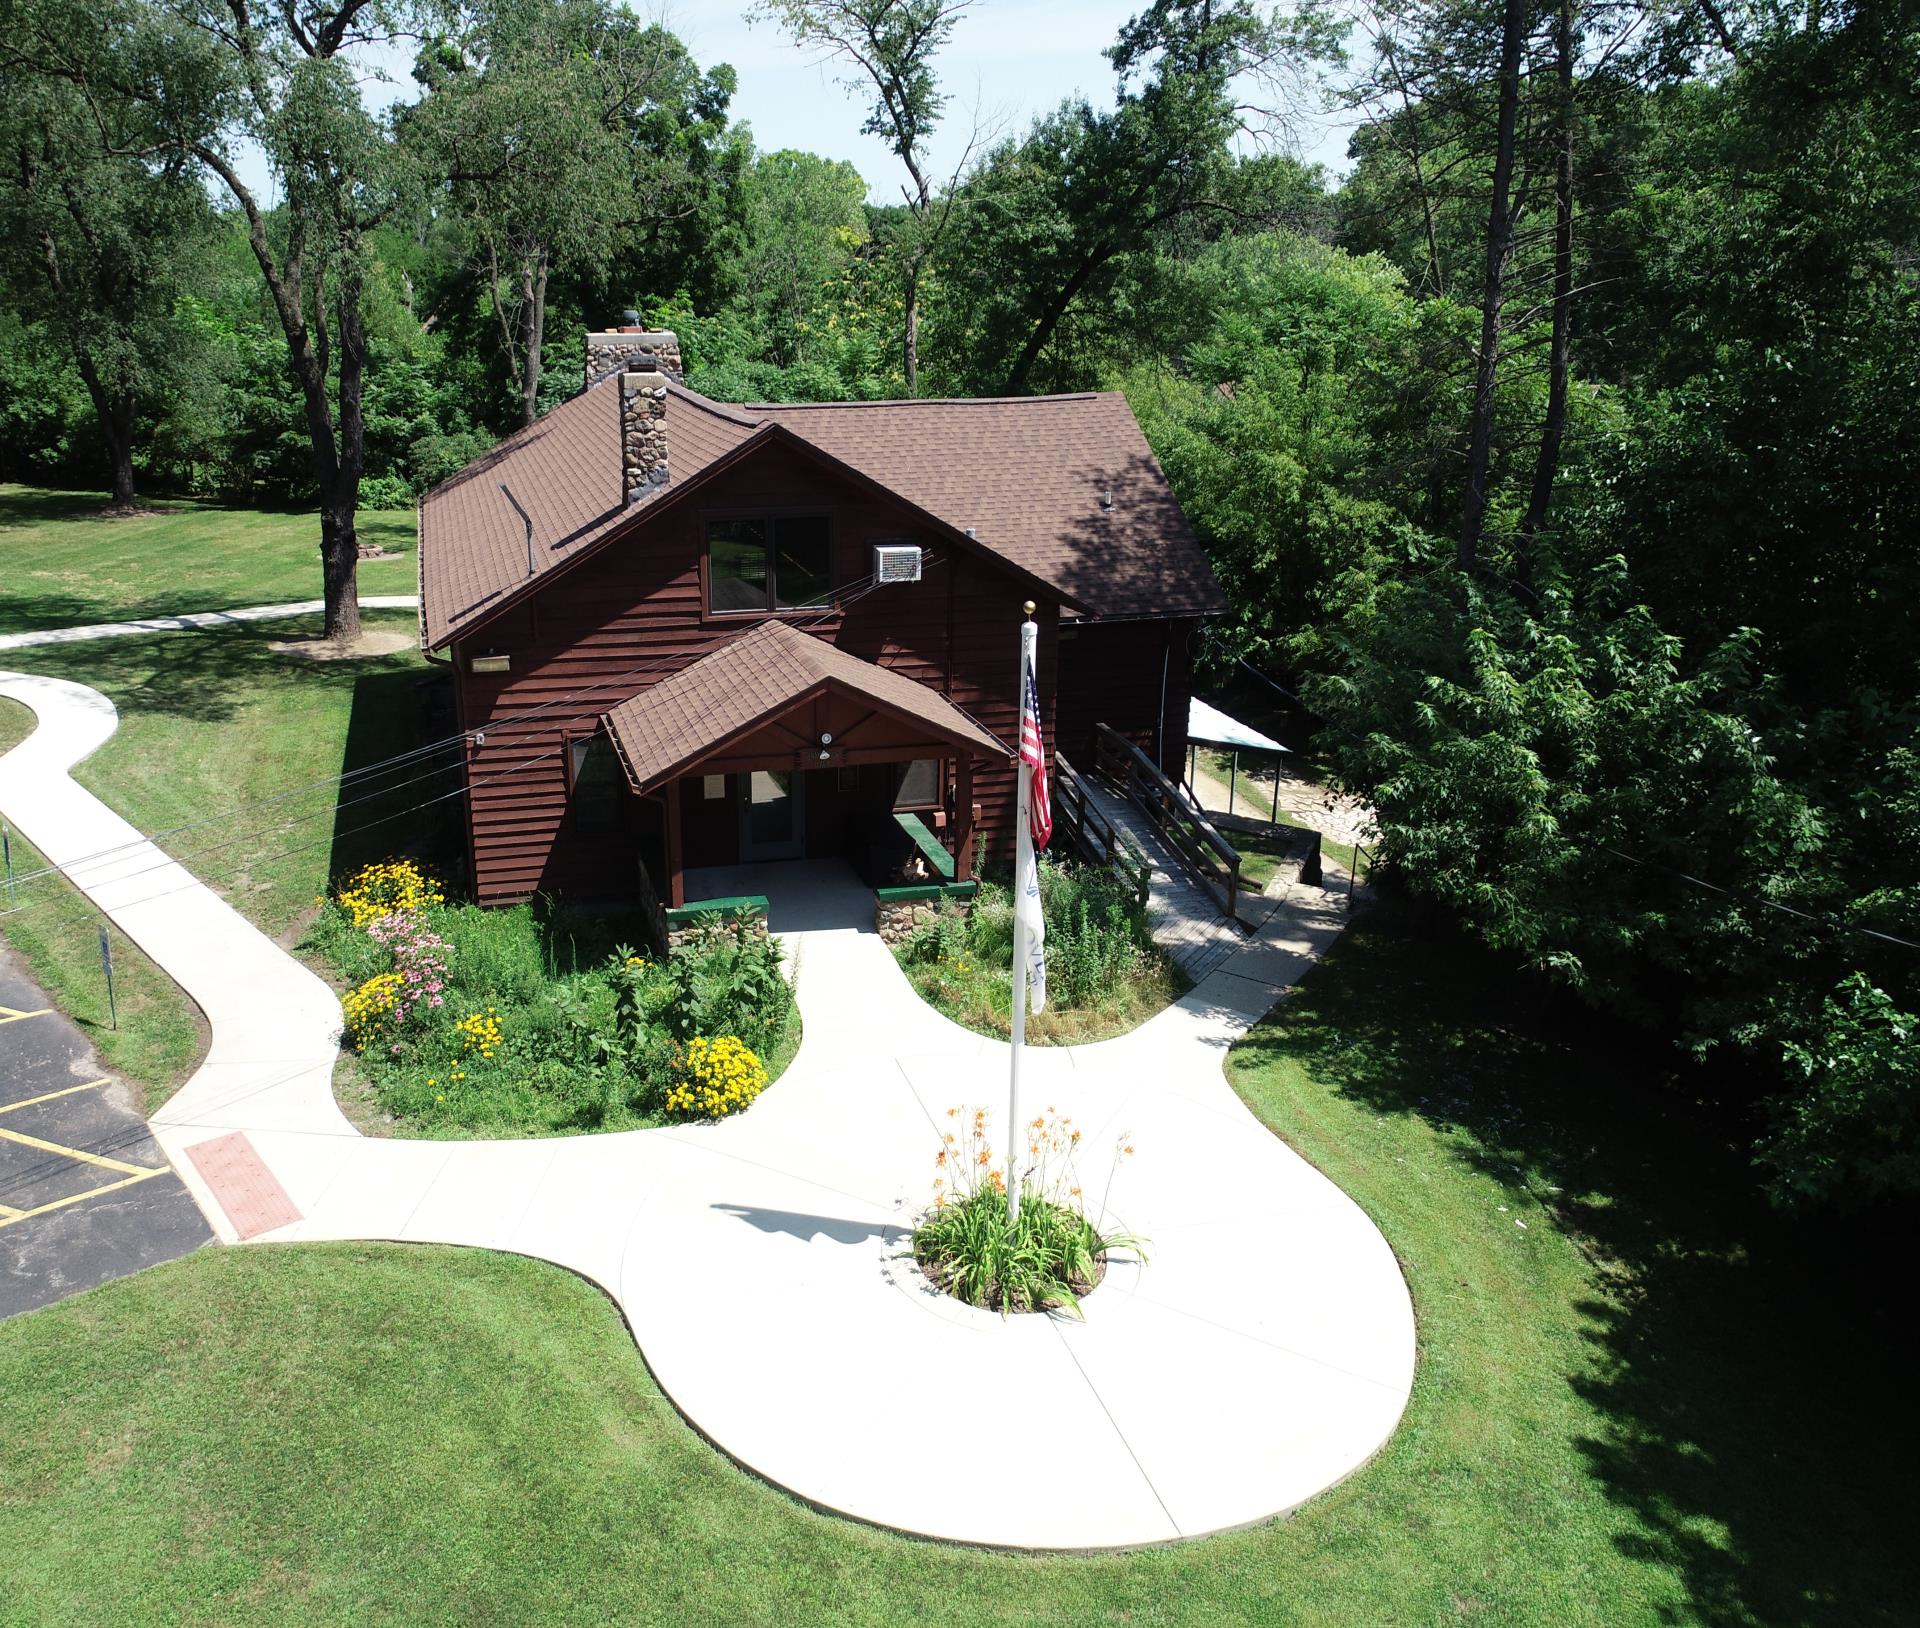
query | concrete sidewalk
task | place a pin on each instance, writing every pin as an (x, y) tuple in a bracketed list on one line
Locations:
[(193, 620), (1265, 1352)]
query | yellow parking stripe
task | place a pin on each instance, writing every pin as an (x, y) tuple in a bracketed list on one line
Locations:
[(12, 1216), (65, 1091), (9, 1213), (80, 1153), (12, 1014)]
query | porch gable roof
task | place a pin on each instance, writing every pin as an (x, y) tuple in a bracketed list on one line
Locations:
[(673, 725)]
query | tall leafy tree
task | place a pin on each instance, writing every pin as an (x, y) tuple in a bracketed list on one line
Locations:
[(1106, 183), (93, 243), (544, 117), (213, 76), (891, 45), (805, 225)]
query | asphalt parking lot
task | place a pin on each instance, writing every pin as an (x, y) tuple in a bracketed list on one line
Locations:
[(86, 1195)]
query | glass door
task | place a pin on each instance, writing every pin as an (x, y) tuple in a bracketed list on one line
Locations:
[(771, 816)]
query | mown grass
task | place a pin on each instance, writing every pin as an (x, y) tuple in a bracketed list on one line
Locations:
[(210, 723), (65, 563), (1654, 1403)]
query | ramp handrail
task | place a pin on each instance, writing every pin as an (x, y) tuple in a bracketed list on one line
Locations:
[(1095, 835), (1214, 861)]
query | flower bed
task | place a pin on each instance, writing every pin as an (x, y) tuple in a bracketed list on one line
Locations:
[(534, 1020), (1046, 1259)]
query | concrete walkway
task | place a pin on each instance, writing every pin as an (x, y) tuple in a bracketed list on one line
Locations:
[(1265, 1352), (194, 619)]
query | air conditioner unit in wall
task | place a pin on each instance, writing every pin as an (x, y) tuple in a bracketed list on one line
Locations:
[(896, 562)]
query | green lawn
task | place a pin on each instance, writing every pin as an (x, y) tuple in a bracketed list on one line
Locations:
[(1652, 1404), (64, 564), (210, 721)]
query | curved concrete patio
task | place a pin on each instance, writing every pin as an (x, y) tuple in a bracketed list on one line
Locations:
[(1265, 1353)]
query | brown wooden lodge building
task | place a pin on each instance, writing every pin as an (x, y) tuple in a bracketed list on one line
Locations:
[(687, 634)]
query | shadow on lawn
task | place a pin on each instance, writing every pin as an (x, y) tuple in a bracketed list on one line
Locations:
[(1754, 1393), (384, 808), (201, 676)]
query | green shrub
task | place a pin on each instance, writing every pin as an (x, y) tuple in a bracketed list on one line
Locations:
[(727, 981), (1097, 934)]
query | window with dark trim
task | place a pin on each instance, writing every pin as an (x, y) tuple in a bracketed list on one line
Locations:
[(763, 563), (918, 785), (593, 781)]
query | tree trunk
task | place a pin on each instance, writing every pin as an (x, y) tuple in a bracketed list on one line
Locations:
[(1546, 466), (340, 561), (1054, 314), (116, 425), (536, 339), (114, 411), (339, 539), (1473, 506), (910, 331)]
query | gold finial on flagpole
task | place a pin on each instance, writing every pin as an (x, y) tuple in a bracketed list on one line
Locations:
[(1029, 607)]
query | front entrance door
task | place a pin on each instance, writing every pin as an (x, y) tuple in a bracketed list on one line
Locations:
[(772, 815)]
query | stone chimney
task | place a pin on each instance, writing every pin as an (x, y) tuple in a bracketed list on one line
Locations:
[(610, 351), (643, 426)]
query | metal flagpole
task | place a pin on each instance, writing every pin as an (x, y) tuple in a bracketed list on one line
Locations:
[(1022, 861)]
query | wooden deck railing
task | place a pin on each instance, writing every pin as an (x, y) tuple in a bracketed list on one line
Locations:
[(1214, 861), (1079, 817)]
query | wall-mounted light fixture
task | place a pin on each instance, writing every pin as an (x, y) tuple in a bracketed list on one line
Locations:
[(826, 740), (490, 664)]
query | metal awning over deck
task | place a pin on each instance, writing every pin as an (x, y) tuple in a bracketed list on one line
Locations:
[(1209, 726)]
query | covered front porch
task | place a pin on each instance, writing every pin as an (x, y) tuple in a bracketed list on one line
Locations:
[(780, 748)]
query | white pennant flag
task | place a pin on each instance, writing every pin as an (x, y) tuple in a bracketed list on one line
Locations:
[(1026, 905)]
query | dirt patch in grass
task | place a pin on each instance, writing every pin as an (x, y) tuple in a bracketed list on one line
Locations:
[(372, 641)]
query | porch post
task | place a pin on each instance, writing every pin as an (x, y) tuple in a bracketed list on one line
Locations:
[(963, 817), (676, 878)]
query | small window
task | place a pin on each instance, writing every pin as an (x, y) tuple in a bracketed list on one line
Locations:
[(919, 785), (594, 792), (765, 565), (713, 787)]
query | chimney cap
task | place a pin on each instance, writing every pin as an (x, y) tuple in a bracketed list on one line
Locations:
[(629, 319)]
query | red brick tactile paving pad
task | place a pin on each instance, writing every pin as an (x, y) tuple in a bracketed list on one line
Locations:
[(254, 1201)]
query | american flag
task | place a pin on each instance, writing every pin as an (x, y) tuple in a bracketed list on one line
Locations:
[(1039, 805)]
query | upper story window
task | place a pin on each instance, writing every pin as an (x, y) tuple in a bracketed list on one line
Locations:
[(768, 564)]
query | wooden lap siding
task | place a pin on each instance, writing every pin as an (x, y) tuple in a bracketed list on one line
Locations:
[(639, 605), (1111, 673)]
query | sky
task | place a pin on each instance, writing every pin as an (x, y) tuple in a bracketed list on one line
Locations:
[(1008, 61)]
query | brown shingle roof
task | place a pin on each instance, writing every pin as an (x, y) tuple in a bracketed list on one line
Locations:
[(565, 469), (1027, 474), (682, 719)]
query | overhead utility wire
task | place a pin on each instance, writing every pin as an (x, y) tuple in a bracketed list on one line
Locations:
[(835, 601), (167, 859)]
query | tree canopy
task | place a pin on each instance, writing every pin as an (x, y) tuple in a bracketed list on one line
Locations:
[(1558, 454)]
